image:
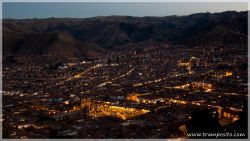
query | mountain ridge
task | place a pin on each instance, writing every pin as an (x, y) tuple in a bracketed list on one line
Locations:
[(76, 36)]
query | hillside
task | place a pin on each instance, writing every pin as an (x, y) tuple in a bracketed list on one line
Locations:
[(72, 37)]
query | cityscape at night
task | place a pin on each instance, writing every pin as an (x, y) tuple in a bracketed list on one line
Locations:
[(126, 77)]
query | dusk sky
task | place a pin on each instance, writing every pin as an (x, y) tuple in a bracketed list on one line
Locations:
[(83, 10)]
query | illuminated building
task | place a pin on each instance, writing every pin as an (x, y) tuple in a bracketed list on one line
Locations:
[(202, 85), (228, 73), (132, 97), (193, 61), (66, 102), (183, 64), (101, 109)]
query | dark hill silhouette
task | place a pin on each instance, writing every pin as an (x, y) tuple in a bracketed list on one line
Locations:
[(75, 37)]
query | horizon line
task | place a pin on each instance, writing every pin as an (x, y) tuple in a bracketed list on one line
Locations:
[(37, 18)]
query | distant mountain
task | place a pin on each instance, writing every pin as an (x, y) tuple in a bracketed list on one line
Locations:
[(66, 37)]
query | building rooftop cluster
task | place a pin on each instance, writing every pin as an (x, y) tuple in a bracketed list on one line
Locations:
[(148, 93)]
